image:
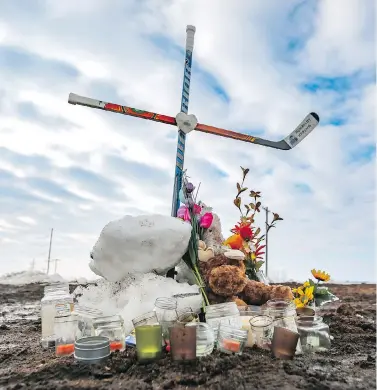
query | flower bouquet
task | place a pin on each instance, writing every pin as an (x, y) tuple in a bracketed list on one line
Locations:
[(246, 237), (312, 293)]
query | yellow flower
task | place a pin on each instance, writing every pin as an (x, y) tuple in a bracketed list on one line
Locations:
[(309, 293), (306, 284), (303, 296), (321, 275)]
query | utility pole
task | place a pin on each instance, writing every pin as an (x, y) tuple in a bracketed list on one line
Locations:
[(49, 253)]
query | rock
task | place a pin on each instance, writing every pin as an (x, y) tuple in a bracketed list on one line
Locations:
[(139, 244)]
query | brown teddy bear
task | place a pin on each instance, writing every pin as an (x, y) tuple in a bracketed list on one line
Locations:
[(225, 275)]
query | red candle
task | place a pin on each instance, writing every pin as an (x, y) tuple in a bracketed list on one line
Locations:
[(116, 346), (231, 345), (65, 349)]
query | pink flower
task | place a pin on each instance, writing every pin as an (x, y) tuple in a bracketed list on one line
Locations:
[(206, 220), (184, 213), (197, 209)]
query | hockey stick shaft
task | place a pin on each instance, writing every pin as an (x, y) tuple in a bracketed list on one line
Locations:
[(181, 143), (302, 130)]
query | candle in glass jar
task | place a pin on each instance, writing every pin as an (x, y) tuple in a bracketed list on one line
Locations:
[(148, 342), (261, 328), (231, 345), (246, 326)]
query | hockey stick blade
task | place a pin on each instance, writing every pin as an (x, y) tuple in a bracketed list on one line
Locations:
[(289, 142)]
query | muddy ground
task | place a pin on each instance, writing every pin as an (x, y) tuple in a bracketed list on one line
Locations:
[(350, 364)]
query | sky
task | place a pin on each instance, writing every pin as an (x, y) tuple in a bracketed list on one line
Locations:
[(259, 67)]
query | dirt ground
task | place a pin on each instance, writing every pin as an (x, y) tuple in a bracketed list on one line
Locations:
[(350, 364)]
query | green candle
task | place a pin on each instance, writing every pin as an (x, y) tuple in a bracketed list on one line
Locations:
[(148, 342)]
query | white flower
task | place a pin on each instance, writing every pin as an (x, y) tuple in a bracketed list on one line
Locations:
[(252, 247)]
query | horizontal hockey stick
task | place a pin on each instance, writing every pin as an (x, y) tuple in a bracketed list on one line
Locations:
[(289, 142)]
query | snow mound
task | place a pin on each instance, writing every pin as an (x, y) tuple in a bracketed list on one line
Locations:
[(28, 277), (139, 244), (136, 295)]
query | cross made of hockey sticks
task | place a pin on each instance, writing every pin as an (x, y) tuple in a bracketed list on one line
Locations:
[(187, 123)]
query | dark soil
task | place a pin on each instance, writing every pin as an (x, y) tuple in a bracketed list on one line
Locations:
[(350, 364)]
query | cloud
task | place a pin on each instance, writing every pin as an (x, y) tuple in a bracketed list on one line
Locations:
[(258, 68)]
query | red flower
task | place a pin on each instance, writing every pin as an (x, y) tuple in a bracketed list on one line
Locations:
[(244, 230)]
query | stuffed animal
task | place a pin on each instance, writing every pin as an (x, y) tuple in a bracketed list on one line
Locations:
[(225, 275), (213, 237)]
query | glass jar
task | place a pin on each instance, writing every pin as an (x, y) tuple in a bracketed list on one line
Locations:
[(166, 312), (205, 338), (314, 334), (182, 342), (111, 327), (231, 340), (223, 313), (56, 302), (65, 335), (148, 334), (247, 313), (85, 318), (283, 312), (261, 328)]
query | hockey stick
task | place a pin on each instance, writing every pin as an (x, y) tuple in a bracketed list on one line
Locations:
[(289, 142), (181, 143)]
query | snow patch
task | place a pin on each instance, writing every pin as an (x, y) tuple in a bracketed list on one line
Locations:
[(28, 277), (136, 295)]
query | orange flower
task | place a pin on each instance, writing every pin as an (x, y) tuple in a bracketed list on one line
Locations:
[(235, 241), (321, 275)]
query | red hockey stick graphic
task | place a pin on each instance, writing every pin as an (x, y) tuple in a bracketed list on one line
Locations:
[(289, 142)]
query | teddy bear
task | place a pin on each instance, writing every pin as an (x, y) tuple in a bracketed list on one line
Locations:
[(226, 279)]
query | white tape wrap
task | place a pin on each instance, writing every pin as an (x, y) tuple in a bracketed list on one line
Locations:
[(190, 34)]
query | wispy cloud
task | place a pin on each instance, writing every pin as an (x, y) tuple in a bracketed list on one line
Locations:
[(74, 169)]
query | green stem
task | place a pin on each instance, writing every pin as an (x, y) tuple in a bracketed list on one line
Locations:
[(201, 284)]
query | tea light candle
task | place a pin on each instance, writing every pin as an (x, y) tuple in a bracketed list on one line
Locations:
[(246, 326), (64, 349), (232, 345)]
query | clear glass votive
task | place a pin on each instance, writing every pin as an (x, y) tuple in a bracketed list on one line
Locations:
[(223, 313), (85, 318), (182, 342), (231, 340), (148, 334), (111, 327), (166, 312), (65, 335), (247, 313), (314, 334), (205, 338), (261, 327), (283, 311)]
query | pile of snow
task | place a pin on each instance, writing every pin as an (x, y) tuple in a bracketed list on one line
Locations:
[(136, 295), (27, 277), (139, 244)]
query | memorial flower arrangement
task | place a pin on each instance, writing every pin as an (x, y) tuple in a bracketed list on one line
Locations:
[(246, 237), (312, 293), (200, 219)]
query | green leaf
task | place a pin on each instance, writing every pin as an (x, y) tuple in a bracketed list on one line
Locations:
[(311, 282), (259, 264), (322, 291), (252, 206), (238, 187)]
